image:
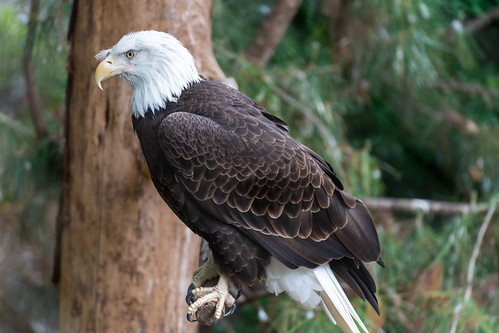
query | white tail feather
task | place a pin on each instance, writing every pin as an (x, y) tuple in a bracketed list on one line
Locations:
[(335, 302), (309, 287)]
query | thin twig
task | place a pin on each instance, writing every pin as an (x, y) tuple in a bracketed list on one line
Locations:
[(471, 265), (467, 88), (476, 250), (451, 118), (16, 125)]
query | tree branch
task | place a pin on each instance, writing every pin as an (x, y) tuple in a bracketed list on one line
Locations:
[(425, 206), (483, 20), (273, 27), (451, 118), (35, 104), (467, 88)]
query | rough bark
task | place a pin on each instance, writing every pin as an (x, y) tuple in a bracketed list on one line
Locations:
[(273, 27), (126, 261)]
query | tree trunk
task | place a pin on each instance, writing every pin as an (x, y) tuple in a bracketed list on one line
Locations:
[(35, 104), (126, 260), (272, 29)]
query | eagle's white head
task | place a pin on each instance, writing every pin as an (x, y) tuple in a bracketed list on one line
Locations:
[(155, 64)]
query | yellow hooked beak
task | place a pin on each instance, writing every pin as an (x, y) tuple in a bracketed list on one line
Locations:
[(107, 69)]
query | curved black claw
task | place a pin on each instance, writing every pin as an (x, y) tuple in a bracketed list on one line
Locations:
[(190, 319), (239, 292), (231, 310), (190, 298)]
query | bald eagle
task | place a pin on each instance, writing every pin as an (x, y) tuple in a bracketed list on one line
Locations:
[(271, 209)]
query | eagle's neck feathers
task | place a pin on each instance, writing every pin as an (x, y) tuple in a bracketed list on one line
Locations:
[(165, 82)]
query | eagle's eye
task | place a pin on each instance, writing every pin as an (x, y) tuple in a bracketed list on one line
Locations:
[(130, 54)]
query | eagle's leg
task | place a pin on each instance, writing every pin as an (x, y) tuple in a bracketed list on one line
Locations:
[(204, 273), (218, 294), (200, 297)]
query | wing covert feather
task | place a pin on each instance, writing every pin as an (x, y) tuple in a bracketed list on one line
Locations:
[(248, 172), (235, 176)]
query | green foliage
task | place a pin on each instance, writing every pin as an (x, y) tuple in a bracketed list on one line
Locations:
[(408, 55), (50, 54), (375, 94), (416, 248), (385, 110), (30, 168), (12, 32), (295, 319), (474, 7)]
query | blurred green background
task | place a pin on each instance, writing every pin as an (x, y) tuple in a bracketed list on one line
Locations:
[(400, 96)]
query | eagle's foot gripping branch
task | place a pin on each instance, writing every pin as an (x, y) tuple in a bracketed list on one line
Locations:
[(209, 304)]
